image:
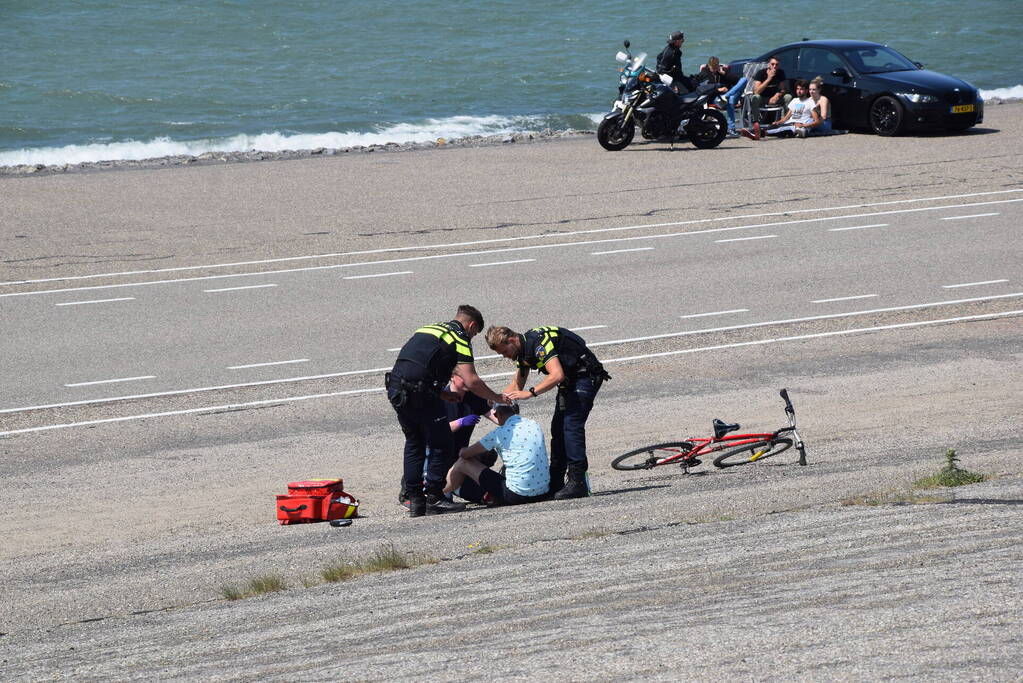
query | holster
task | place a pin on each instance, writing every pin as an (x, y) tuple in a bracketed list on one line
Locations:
[(400, 390)]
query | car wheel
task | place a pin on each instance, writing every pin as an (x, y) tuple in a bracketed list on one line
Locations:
[(887, 117)]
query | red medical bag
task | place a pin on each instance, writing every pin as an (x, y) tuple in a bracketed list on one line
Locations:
[(316, 500)]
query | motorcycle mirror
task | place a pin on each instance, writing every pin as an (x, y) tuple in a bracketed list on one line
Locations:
[(627, 43)]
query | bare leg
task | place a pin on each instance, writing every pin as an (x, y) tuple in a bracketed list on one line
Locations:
[(460, 470)]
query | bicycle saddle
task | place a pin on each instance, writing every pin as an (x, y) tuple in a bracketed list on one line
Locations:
[(722, 428)]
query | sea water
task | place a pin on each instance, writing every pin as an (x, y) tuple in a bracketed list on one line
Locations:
[(92, 80)]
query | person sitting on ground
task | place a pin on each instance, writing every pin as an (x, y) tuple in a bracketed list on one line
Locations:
[(823, 107), (798, 120), (520, 443), (768, 88), (464, 411)]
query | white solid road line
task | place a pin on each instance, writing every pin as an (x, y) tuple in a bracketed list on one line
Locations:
[(587, 327), (743, 239), (667, 335), (516, 239), (819, 335), (263, 365), (974, 284), (544, 245), (620, 251), (704, 315), (976, 215), (859, 227), (360, 277), (111, 381), (233, 289), (824, 316), (501, 263), (843, 298), (292, 399), (95, 301)]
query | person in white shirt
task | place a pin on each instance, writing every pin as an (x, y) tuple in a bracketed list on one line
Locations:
[(520, 443), (801, 116)]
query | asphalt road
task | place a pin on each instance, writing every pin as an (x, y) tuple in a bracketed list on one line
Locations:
[(124, 519), (189, 332)]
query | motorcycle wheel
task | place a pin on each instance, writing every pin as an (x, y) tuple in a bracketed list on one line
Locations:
[(615, 134), (708, 130)]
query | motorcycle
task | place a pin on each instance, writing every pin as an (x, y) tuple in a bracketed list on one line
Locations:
[(647, 100)]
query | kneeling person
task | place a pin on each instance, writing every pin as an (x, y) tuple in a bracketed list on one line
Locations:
[(520, 443)]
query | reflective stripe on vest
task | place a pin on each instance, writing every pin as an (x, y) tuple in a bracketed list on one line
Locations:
[(447, 336), (550, 333)]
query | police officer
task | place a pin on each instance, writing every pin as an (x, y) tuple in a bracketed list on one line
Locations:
[(415, 388), (670, 61), (569, 365)]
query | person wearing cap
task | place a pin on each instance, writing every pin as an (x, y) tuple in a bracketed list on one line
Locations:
[(415, 389), (670, 61), (574, 370), (520, 443)]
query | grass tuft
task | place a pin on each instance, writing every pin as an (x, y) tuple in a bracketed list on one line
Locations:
[(384, 559), (950, 475), (267, 583)]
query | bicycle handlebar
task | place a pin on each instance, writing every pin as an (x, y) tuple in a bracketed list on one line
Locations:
[(784, 393)]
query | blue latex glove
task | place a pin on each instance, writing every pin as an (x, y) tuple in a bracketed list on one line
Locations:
[(467, 421)]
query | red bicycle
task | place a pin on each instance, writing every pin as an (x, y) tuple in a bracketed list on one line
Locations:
[(737, 449)]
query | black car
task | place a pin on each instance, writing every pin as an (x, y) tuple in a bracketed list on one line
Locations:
[(871, 86)]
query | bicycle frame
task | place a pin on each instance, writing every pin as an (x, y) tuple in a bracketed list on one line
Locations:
[(687, 452), (706, 446)]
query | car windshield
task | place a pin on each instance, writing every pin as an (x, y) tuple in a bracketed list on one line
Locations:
[(877, 60)]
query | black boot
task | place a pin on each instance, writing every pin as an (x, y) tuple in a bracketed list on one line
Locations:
[(438, 505), (575, 488), (417, 506)]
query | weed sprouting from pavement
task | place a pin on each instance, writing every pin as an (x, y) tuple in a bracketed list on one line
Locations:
[(950, 475), (384, 559), (267, 583)]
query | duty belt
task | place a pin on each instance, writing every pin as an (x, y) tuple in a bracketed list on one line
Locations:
[(407, 388)]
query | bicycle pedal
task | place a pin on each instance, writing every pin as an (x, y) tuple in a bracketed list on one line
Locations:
[(686, 464)]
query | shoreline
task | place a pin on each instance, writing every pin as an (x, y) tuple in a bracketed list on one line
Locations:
[(211, 158)]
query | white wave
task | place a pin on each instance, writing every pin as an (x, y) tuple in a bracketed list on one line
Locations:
[(133, 150), (1015, 92)]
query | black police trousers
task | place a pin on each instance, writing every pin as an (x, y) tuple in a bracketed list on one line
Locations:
[(424, 421), (568, 430)]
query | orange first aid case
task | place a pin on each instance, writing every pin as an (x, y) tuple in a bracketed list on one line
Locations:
[(316, 500)]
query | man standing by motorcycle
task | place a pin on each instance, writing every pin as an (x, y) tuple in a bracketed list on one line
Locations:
[(670, 61)]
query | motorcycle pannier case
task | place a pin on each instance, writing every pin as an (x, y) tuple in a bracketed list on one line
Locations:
[(316, 500)]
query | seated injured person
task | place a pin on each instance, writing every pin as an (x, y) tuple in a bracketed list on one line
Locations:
[(520, 443)]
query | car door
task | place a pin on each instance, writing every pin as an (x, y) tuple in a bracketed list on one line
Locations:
[(848, 107), (787, 61)]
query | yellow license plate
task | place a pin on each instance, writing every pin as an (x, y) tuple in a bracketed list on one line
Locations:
[(962, 109)]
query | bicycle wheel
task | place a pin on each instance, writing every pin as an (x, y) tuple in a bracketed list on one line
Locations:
[(652, 456), (752, 452)]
